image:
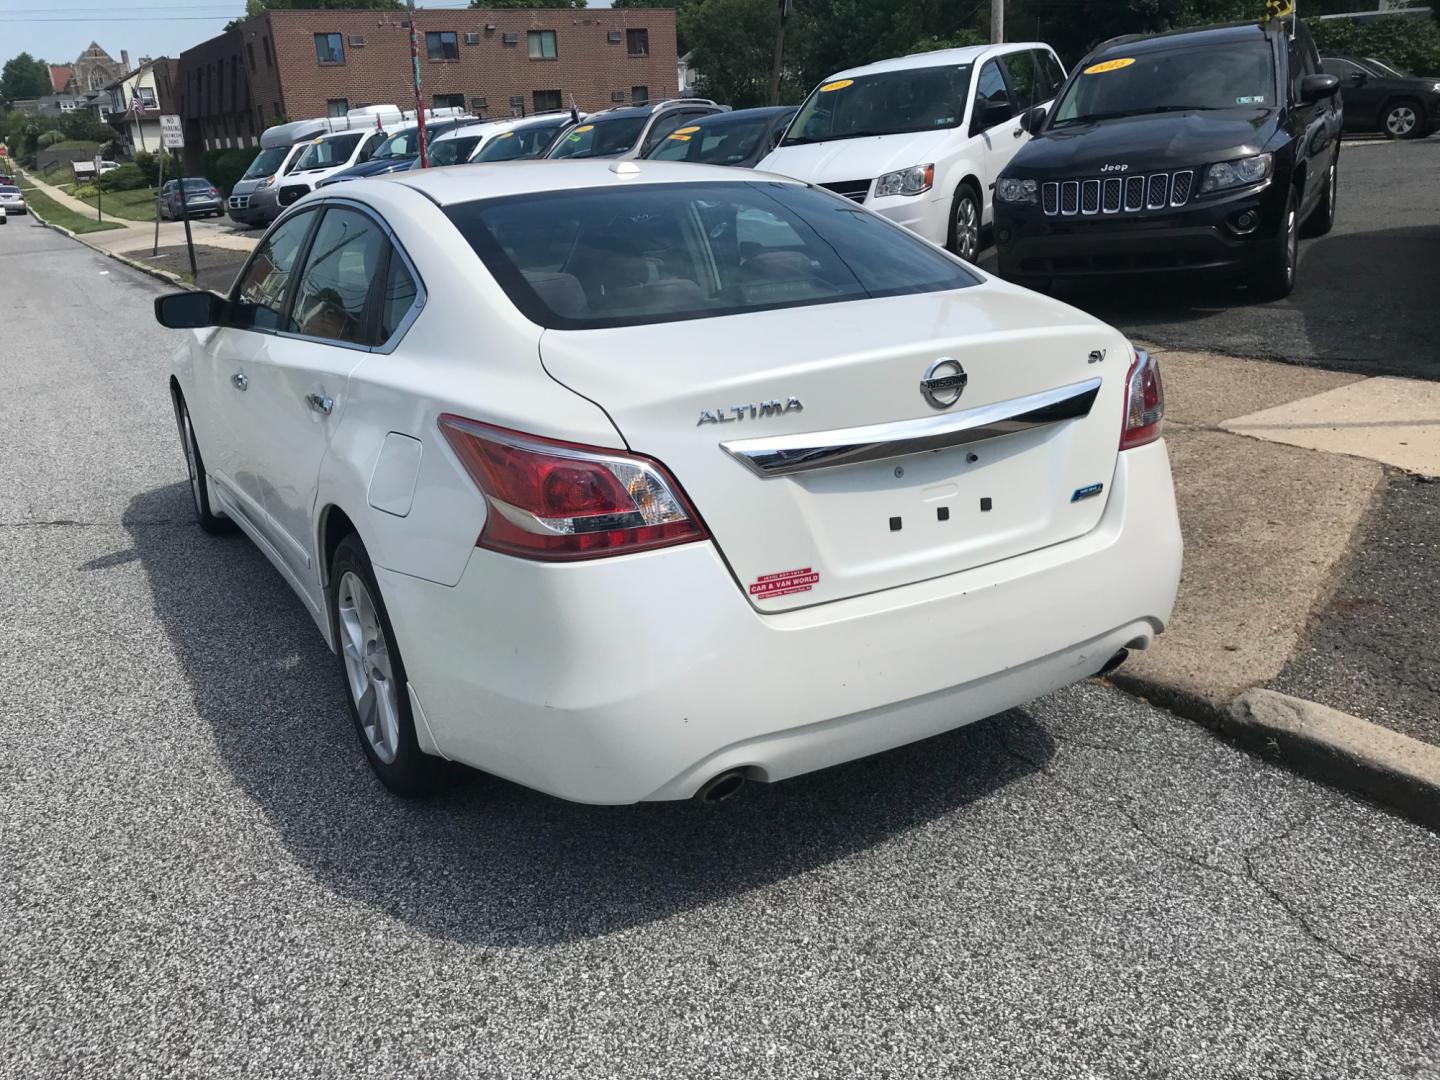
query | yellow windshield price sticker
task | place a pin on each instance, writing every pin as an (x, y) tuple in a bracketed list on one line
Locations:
[(1109, 65), (505, 135), (681, 138), (585, 127), (688, 131), (838, 84)]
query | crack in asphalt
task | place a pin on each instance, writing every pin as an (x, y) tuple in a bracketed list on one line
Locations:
[(1294, 915)]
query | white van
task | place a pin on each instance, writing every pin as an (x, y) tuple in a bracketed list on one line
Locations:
[(329, 154), (921, 138)]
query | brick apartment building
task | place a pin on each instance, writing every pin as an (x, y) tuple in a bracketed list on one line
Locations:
[(298, 64)]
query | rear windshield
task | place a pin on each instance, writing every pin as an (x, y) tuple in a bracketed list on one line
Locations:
[(1222, 76), (326, 153), (600, 138), (721, 142), (915, 99), (6, 189), (451, 151), (195, 183), (524, 143), (587, 258), (266, 162)]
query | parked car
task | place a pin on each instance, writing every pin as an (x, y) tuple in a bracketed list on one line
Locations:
[(630, 131), (1196, 150), (920, 139), (400, 151), (1378, 98), (4, 218), (524, 137), (108, 166), (13, 199), (328, 155), (202, 199), (737, 139), (721, 435)]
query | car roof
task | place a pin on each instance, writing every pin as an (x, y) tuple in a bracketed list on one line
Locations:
[(1224, 34), (938, 58), (495, 180), (762, 112)]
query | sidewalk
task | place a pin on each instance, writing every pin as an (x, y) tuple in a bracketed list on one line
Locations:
[(135, 236), (1291, 501)]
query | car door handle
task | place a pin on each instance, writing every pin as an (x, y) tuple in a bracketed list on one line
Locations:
[(321, 403), (1018, 132), (240, 380)]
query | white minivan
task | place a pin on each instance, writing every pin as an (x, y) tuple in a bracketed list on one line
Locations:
[(921, 138)]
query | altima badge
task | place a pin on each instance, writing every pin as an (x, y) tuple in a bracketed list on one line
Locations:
[(944, 382), (756, 410)]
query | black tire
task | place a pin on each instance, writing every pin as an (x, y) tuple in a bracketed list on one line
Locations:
[(390, 746), (1322, 218), (969, 240), (205, 517), (1404, 118), (1274, 277)]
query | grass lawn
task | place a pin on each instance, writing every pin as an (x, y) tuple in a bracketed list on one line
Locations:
[(130, 205), (51, 211)]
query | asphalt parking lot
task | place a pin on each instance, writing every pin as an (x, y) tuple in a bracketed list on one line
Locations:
[(203, 876), (1363, 300)]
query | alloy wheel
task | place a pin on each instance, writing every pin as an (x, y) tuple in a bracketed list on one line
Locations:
[(1401, 120), (967, 229), (368, 668)]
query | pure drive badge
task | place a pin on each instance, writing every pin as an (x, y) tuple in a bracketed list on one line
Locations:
[(755, 410)]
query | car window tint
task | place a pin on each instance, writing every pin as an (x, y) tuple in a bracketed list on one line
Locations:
[(397, 297), (587, 258), (663, 126), (990, 89), (1020, 67), (347, 255), (1342, 68), (1049, 75), (264, 281)]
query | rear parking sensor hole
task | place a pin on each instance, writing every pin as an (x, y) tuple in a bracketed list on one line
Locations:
[(894, 524), (942, 513), (985, 504)]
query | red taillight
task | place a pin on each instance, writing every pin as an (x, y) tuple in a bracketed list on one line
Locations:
[(557, 500), (1144, 402)]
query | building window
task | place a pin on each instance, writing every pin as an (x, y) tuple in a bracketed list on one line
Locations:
[(547, 100), (637, 42), (639, 95), (441, 45), (449, 101), (250, 52), (337, 106), (147, 97), (542, 44), (276, 106), (265, 47), (260, 117), (329, 49)]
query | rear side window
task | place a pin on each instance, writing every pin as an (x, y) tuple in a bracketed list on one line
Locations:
[(588, 258), (1020, 67), (346, 257), (397, 296), (265, 281)]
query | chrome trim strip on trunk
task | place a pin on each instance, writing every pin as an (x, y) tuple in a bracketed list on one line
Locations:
[(783, 455)]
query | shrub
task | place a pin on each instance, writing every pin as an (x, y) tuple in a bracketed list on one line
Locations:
[(1406, 42), (223, 168), (149, 164), (125, 178), (86, 191)]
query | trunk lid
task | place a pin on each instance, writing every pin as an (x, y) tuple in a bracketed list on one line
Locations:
[(799, 538)]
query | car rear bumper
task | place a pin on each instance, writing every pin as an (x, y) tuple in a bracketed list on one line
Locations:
[(1200, 237), (642, 677)]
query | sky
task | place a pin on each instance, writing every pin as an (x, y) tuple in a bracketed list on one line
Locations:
[(57, 31)]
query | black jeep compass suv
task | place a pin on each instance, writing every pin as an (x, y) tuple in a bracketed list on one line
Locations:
[(1196, 150)]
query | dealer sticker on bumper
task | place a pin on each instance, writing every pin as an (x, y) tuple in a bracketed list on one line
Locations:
[(784, 583)]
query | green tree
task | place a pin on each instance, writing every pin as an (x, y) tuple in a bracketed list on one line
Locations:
[(1406, 42), (24, 77), (1074, 27), (734, 43), (527, 3)]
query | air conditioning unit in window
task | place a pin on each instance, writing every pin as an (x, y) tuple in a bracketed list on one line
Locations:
[(614, 37), (472, 37), (357, 41), (478, 103), (510, 39), (516, 100), (617, 95)]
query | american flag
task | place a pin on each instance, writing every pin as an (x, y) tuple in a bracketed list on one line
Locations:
[(137, 105)]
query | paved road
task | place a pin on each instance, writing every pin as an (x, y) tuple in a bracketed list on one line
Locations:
[(203, 879), (1364, 298)]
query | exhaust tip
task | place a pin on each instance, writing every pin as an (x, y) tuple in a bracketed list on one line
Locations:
[(719, 788), (1114, 662)]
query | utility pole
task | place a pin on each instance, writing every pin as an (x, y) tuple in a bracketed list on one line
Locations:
[(419, 101), (785, 7), (997, 21)]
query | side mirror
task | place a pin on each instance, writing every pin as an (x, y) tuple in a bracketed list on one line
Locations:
[(189, 310), (988, 114), (1031, 119), (1318, 87)]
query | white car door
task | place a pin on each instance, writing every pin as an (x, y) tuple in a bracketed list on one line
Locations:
[(300, 389), (230, 356), (994, 118)]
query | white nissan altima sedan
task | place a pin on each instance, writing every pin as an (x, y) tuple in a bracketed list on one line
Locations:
[(634, 480)]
